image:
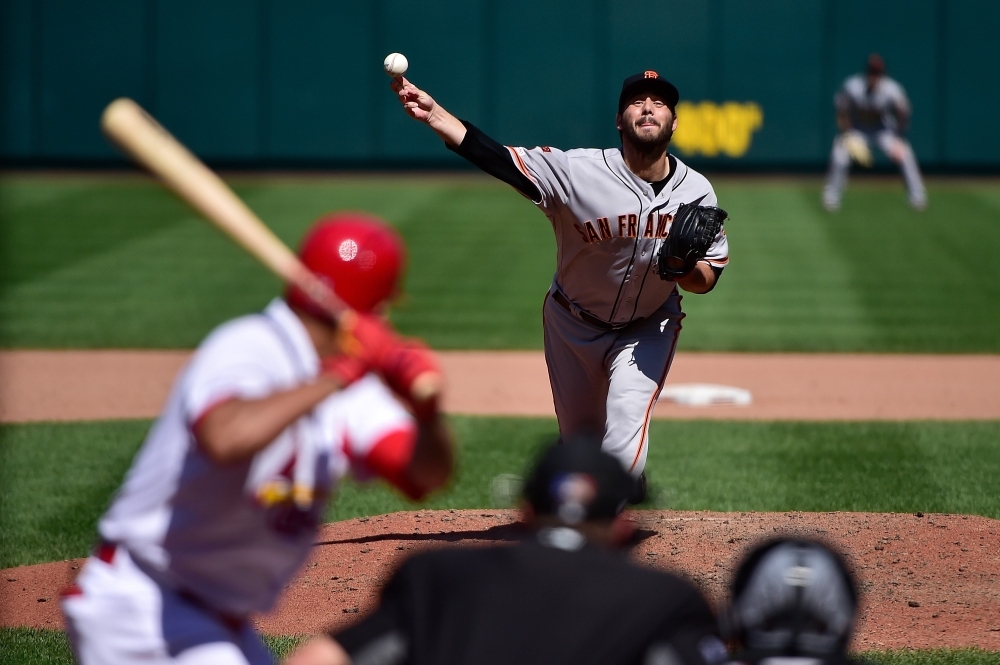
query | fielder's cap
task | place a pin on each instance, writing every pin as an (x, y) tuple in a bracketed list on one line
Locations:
[(578, 482), (876, 65), (792, 597), (648, 81)]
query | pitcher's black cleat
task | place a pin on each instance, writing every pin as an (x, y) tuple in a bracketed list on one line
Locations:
[(639, 494)]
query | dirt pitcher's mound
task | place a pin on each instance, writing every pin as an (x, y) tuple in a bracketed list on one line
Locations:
[(927, 580)]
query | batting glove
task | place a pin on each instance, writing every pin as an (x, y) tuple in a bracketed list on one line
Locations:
[(344, 368), (367, 338), (413, 372)]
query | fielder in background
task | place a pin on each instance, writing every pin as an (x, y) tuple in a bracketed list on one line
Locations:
[(222, 502), (565, 594), (872, 108), (793, 600), (613, 313)]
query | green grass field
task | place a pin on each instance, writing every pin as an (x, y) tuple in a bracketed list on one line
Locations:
[(99, 262), (106, 262), (58, 478), (27, 646), (23, 646)]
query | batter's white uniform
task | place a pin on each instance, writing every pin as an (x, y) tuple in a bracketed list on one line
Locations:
[(875, 117), (190, 547), (610, 322)]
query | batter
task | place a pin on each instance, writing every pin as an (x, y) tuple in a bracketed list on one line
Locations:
[(222, 502), (610, 322)]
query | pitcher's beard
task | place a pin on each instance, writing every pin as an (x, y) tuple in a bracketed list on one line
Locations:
[(648, 145)]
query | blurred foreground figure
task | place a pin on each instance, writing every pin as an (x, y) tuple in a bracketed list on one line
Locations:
[(872, 108), (222, 502), (565, 594), (793, 602)]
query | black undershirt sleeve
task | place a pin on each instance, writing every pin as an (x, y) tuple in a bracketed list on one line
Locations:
[(493, 158), (718, 272)]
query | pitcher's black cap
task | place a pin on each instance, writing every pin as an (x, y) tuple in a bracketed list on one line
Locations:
[(648, 81), (578, 482)]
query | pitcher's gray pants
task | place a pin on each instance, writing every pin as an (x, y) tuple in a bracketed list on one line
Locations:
[(896, 148), (609, 380)]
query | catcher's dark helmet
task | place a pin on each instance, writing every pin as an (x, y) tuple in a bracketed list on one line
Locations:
[(792, 597), (358, 254)]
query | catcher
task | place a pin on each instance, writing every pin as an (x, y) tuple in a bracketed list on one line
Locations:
[(564, 594), (872, 108), (794, 600), (624, 246)]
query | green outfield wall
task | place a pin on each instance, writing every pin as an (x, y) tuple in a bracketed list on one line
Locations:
[(299, 82)]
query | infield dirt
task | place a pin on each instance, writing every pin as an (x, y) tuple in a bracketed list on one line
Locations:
[(927, 581), (94, 385)]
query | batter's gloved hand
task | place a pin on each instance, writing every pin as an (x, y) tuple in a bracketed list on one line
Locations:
[(345, 368), (366, 338), (691, 234), (413, 372)]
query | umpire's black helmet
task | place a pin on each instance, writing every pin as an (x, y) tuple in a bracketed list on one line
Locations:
[(576, 481), (792, 597)]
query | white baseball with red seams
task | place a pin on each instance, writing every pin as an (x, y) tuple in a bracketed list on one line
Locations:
[(395, 64)]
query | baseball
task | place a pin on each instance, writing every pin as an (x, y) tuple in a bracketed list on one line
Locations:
[(395, 64)]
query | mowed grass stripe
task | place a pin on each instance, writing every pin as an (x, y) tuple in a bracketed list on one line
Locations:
[(482, 261), (30, 646), (950, 297), (787, 287), (99, 263), (26, 646), (57, 478), (165, 289), (863, 466)]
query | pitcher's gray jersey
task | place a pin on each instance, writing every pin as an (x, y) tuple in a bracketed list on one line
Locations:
[(609, 224), (881, 108)]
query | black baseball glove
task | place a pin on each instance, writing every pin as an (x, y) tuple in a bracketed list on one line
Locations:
[(691, 234)]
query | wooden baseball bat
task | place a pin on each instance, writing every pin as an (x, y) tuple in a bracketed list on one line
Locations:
[(140, 136)]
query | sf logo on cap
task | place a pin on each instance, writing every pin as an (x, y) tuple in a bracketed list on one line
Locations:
[(650, 74)]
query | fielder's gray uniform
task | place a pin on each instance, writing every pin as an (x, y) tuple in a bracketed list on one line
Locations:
[(610, 322), (875, 115)]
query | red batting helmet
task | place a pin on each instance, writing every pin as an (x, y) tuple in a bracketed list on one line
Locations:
[(359, 255)]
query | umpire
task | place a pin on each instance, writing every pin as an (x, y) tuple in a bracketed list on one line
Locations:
[(566, 594)]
